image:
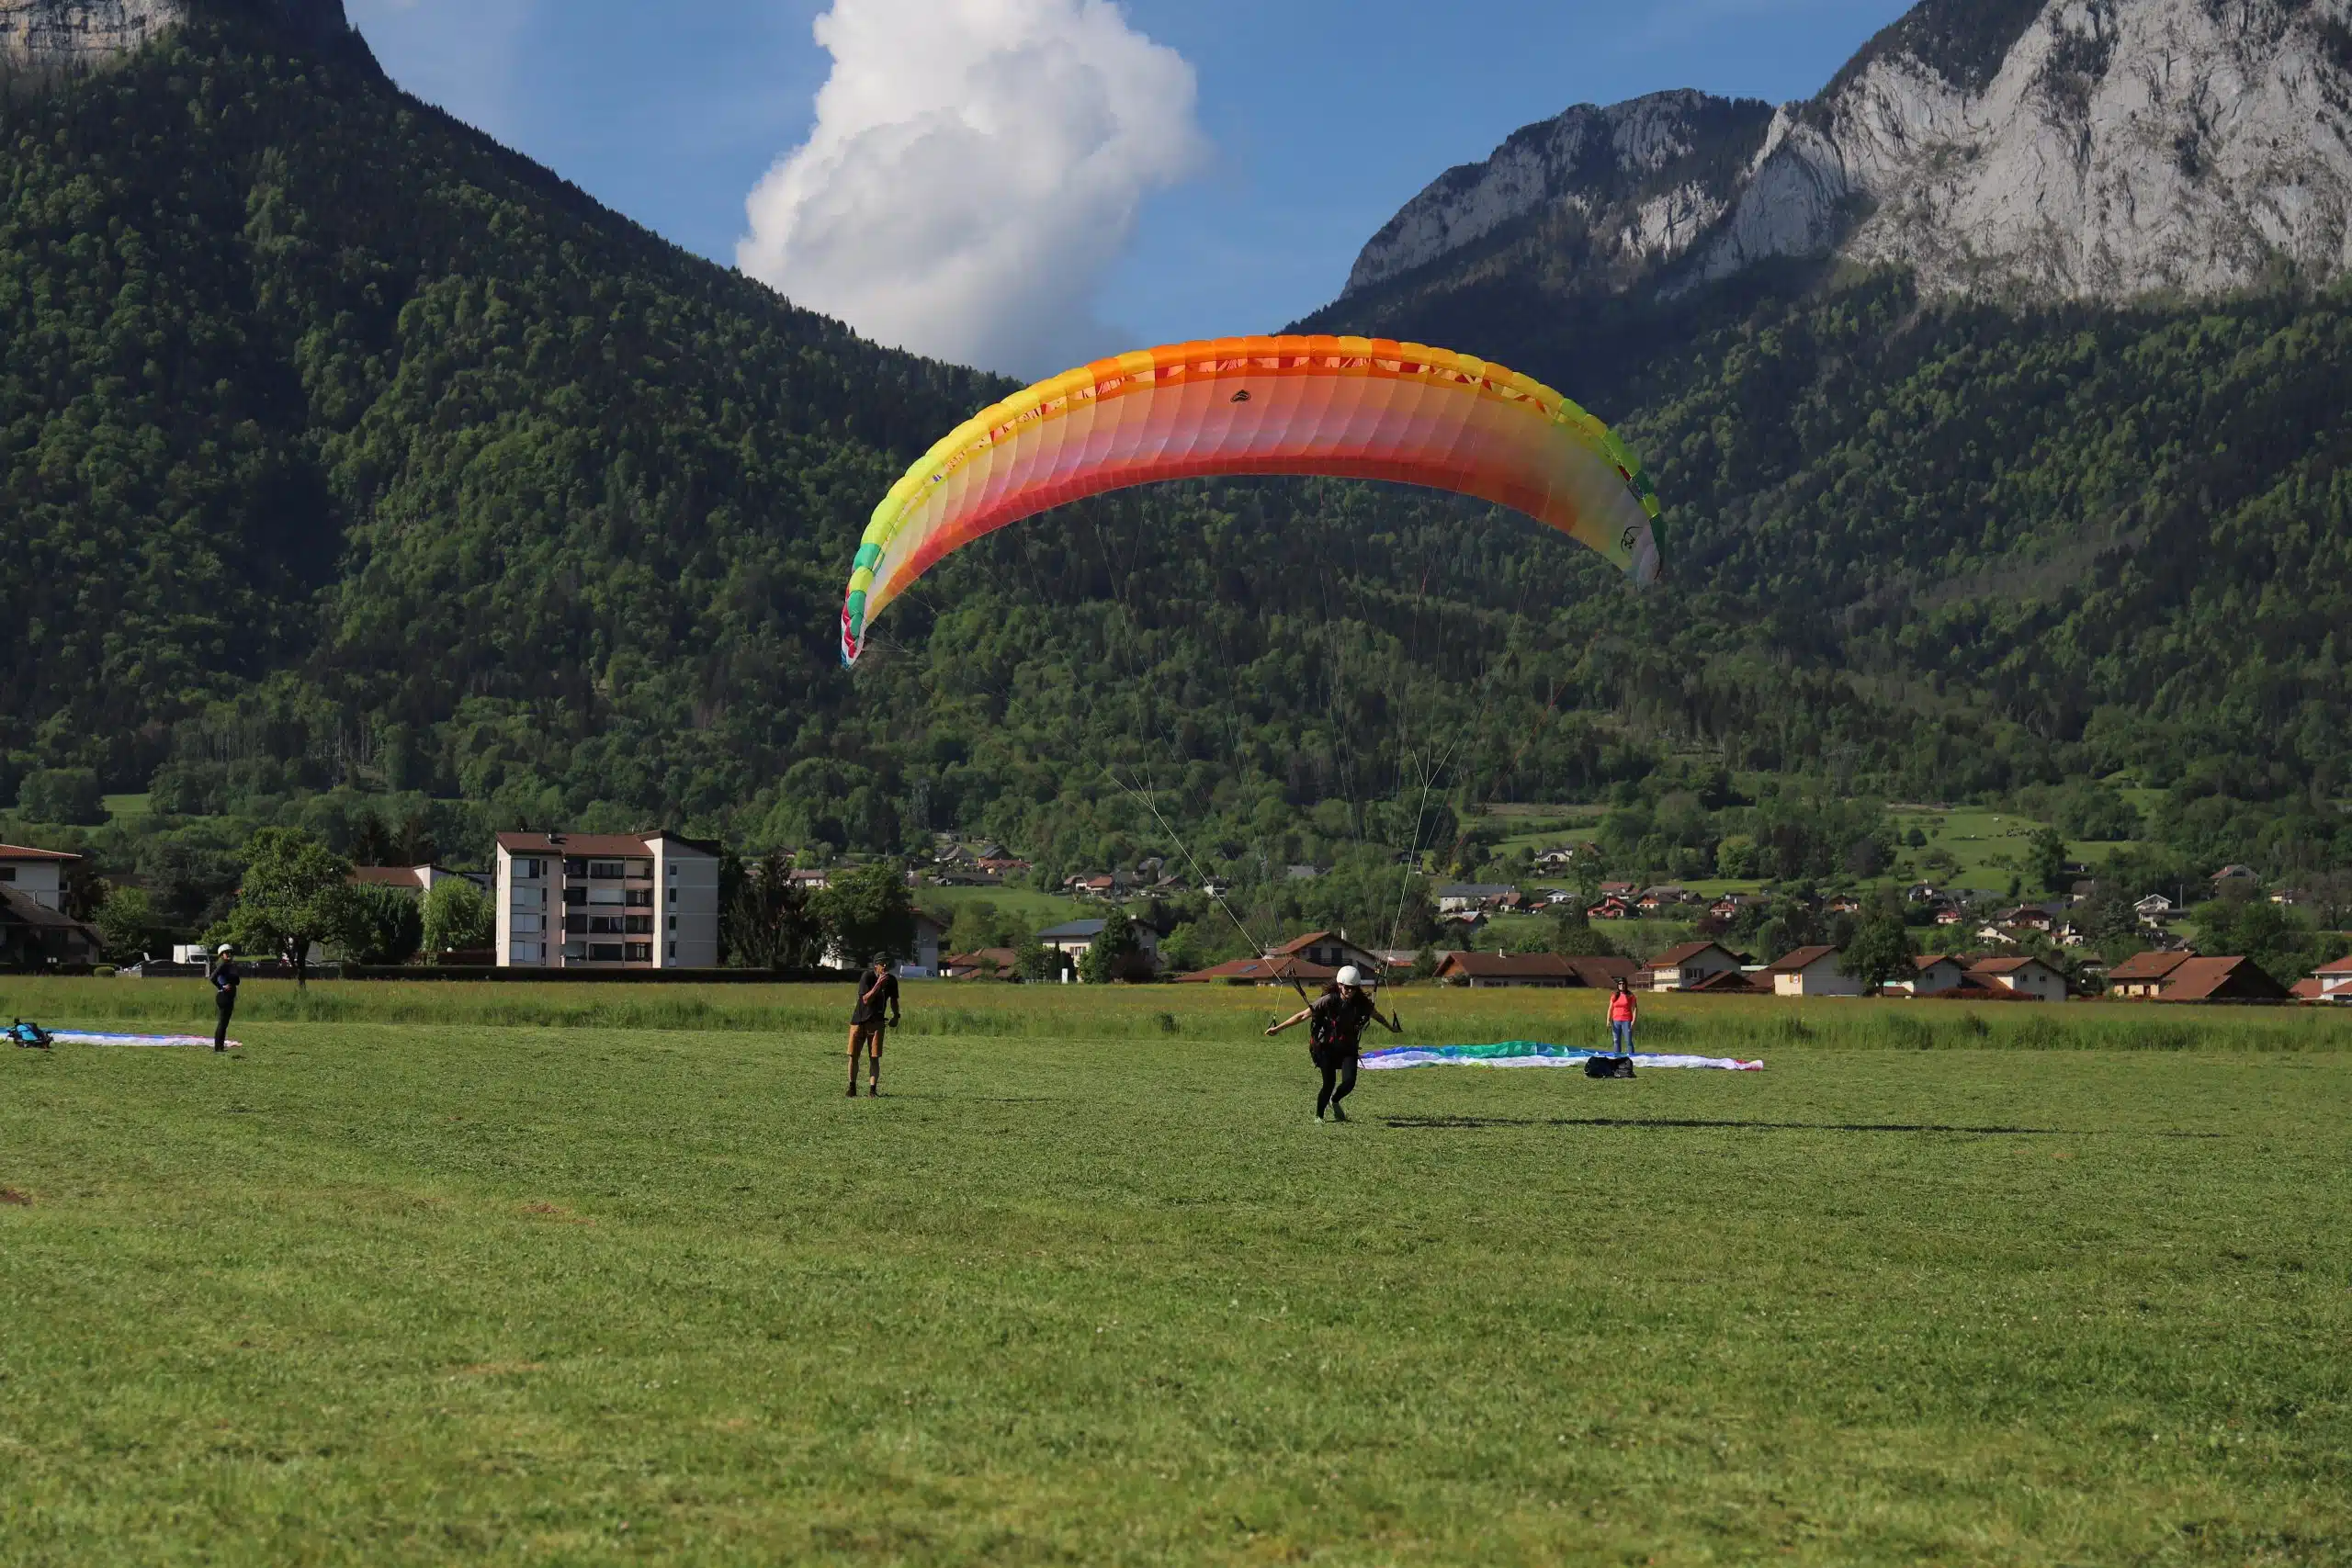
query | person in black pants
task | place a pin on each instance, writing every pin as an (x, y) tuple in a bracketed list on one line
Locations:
[(1337, 1019), (222, 973)]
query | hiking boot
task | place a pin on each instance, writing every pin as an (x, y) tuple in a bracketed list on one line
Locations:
[(1338, 1114)]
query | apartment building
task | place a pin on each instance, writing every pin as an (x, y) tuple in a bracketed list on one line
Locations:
[(607, 901)]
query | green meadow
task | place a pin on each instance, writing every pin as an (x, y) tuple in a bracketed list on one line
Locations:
[(588, 1275)]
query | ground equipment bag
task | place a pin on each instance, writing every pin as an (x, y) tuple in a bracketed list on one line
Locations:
[(30, 1035), (1609, 1067)]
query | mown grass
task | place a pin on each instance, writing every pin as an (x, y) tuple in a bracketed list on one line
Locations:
[(1096, 1290), (1432, 1015)]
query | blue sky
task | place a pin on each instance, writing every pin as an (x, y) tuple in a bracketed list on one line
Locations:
[(1319, 117)]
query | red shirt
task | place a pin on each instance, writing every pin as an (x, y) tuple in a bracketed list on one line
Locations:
[(1621, 1007)]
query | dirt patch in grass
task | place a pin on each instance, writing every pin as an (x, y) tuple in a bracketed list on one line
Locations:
[(10, 1195)]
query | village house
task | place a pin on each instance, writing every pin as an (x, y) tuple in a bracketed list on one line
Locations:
[(2236, 875), (2140, 976), (1484, 971), (981, 964), (1073, 939), (2328, 983), (1262, 971), (606, 900), (2154, 909), (1611, 908), (1331, 950), (2026, 976), (1681, 968), (2186, 976), (417, 879), (1459, 897), (1933, 975), (1812, 972), (36, 875), (1628, 891), (36, 936)]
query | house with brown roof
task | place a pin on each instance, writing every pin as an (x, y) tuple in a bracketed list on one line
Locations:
[(1262, 971), (1611, 908), (1486, 971), (2141, 977), (1934, 974), (981, 964), (2328, 983), (2221, 980), (37, 875), (1331, 950), (417, 879), (606, 900), (34, 936), (1681, 967), (1812, 972), (1730, 983), (2025, 977)]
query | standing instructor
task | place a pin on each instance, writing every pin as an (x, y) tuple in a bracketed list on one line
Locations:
[(877, 993), (1337, 1019), (223, 973)]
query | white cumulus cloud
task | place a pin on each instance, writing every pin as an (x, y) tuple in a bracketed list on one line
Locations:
[(975, 169)]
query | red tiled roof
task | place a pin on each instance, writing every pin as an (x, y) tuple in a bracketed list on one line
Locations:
[(18, 851), (1264, 971), (2221, 979), (1675, 956), (1538, 966), (391, 876), (1927, 961), (2148, 966), (2004, 965), (2341, 967), (573, 844), (1313, 938), (1725, 982), (2309, 990), (1803, 958)]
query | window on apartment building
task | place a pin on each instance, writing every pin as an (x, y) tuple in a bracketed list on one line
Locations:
[(607, 870), (530, 870), (575, 925), (639, 897), (575, 895), (673, 895), (640, 953), (641, 870), (8, 874), (533, 923), (606, 953), (606, 925), (637, 925), (673, 950), (575, 950), (609, 897), (575, 866), (673, 923), (673, 868)]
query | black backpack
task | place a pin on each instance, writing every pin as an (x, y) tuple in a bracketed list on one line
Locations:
[(1609, 1067), (32, 1036)]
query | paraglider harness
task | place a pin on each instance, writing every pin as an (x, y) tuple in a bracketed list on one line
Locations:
[(31, 1036), (1609, 1067)]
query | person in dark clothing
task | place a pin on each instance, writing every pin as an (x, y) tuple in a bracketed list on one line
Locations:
[(1336, 1021), (877, 992), (223, 973)]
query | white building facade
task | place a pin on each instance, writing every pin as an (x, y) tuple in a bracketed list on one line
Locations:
[(607, 901), (37, 875)]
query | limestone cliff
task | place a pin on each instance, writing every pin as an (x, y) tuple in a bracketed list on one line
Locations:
[(2098, 149), (43, 39)]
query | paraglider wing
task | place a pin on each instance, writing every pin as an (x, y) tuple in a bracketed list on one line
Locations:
[(1342, 407)]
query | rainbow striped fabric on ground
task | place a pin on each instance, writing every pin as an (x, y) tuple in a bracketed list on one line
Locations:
[(1529, 1054), (78, 1037)]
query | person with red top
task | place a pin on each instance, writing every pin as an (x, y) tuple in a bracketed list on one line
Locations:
[(1621, 1017)]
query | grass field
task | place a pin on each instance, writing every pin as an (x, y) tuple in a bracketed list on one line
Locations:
[(404, 1282)]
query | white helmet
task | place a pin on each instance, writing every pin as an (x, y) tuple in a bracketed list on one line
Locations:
[(1349, 975), (224, 949)]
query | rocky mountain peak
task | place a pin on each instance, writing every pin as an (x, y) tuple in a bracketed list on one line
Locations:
[(2095, 148), (43, 39)]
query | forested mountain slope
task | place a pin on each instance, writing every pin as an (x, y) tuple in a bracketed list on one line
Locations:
[(341, 448)]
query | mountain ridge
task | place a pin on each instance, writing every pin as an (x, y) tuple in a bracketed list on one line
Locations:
[(2096, 149)]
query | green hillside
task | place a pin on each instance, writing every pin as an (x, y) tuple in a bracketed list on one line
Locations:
[(354, 466)]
